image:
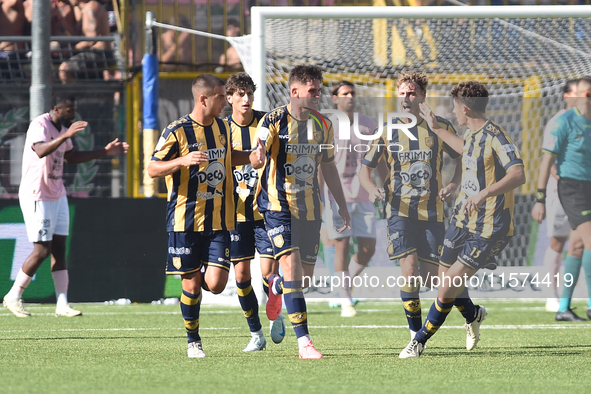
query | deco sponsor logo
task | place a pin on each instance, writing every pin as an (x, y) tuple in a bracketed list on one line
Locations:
[(214, 174), (303, 169), (418, 174), (470, 184)]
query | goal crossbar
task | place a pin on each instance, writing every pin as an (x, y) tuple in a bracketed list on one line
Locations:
[(261, 14)]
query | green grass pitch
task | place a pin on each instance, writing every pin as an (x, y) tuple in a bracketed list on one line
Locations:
[(141, 348)]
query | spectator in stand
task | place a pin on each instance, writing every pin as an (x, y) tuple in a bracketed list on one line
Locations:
[(12, 23), (95, 56), (176, 46), (230, 60)]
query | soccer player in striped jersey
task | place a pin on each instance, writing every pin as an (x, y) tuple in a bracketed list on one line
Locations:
[(570, 148), (482, 221), (288, 194), (414, 193), (194, 154), (250, 232)]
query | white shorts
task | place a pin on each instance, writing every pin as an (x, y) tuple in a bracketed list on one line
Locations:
[(43, 219), (363, 220), (556, 220)]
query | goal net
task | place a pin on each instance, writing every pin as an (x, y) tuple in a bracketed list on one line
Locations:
[(524, 55)]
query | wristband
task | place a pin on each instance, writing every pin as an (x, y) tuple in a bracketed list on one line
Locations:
[(541, 196)]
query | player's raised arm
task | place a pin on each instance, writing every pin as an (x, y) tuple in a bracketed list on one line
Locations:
[(454, 142), (163, 168)]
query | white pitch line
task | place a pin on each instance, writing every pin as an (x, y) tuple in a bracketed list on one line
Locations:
[(565, 326)]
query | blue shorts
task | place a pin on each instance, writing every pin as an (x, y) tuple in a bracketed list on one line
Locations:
[(188, 252), (407, 236), (288, 234), (471, 249), (247, 237)]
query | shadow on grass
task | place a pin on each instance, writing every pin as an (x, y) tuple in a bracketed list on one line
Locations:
[(530, 351)]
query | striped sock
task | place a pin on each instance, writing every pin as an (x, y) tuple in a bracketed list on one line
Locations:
[(249, 304), (190, 306), (465, 305), (296, 307), (266, 286), (436, 317), (412, 306)]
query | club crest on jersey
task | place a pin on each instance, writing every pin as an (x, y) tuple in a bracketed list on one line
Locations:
[(176, 261), (429, 141), (278, 241), (222, 139), (317, 136)]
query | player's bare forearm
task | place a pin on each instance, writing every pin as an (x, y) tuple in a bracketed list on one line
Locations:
[(76, 156), (454, 142), (162, 168), (457, 178), (514, 178), (548, 161), (240, 158), (43, 149)]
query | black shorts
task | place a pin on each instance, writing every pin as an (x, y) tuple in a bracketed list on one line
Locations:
[(406, 236), (188, 252), (471, 249), (247, 237), (288, 234), (575, 197)]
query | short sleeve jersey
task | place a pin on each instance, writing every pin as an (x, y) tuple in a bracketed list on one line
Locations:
[(414, 168), (42, 176), (245, 177), (289, 180), (488, 154), (570, 142), (200, 197)]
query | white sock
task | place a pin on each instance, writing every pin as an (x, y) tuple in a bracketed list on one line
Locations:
[(552, 261), (61, 281), (303, 341), (355, 268), (20, 284), (258, 333)]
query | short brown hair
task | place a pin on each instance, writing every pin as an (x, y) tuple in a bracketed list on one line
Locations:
[(472, 94), (305, 73), (205, 82), (411, 76), (240, 81)]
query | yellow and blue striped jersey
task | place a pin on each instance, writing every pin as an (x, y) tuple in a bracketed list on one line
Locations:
[(200, 198), (245, 177), (414, 168), (288, 182), (488, 154)]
